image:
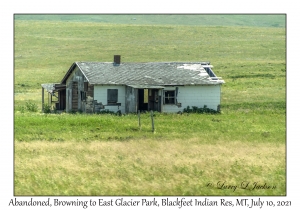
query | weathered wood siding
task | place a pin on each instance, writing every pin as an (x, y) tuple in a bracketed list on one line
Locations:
[(88, 104), (74, 95), (130, 100), (74, 87)]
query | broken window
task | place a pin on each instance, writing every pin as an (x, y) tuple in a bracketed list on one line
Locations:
[(112, 96), (86, 86), (83, 95), (169, 97)]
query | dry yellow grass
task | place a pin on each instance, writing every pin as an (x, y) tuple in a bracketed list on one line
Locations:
[(145, 167)]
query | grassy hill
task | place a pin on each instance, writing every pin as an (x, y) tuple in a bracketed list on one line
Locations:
[(243, 56), (267, 20)]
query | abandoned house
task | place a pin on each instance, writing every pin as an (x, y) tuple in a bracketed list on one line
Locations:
[(128, 87)]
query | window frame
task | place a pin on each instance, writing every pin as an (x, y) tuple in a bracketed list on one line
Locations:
[(172, 97), (109, 97), (83, 95)]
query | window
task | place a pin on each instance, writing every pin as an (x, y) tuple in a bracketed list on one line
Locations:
[(169, 97), (83, 95), (112, 96), (86, 86)]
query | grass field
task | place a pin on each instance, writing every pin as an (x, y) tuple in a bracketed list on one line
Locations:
[(262, 20), (78, 154)]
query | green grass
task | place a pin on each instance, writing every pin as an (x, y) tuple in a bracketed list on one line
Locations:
[(270, 20), (79, 154), (249, 126)]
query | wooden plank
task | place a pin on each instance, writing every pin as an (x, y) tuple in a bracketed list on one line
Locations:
[(152, 120), (130, 100)]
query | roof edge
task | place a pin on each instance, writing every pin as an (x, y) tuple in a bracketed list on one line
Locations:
[(69, 72)]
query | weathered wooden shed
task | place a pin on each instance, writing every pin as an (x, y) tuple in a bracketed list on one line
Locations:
[(129, 87)]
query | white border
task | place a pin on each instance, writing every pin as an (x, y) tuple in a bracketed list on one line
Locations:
[(213, 6)]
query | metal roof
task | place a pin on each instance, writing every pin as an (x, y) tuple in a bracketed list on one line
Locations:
[(157, 74), (52, 87)]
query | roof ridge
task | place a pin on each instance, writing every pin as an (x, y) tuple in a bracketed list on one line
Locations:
[(173, 62)]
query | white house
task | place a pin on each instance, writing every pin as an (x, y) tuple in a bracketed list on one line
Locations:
[(129, 87)]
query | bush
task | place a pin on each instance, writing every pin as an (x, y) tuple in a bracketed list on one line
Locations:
[(32, 107), (106, 111), (196, 109), (21, 109), (47, 108), (72, 111)]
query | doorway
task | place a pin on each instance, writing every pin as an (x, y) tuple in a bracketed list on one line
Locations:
[(149, 99), (143, 99)]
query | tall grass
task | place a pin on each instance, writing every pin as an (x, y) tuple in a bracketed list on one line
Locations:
[(243, 125), (147, 167)]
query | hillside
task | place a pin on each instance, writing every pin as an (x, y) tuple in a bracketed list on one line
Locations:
[(274, 20)]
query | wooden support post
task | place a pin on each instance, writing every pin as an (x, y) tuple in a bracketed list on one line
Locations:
[(152, 120), (139, 118), (42, 99)]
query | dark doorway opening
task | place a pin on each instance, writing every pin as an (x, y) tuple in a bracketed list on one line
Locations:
[(153, 100), (143, 99), (61, 100), (148, 99)]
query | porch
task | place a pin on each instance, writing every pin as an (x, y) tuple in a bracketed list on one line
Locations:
[(56, 96)]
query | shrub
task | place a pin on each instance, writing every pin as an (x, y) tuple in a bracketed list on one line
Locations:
[(21, 109), (47, 108), (196, 109), (32, 107), (72, 111), (106, 111)]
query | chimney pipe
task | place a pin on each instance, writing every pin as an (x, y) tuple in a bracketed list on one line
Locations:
[(117, 59)]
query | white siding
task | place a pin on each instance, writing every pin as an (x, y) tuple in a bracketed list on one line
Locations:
[(195, 96), (199, 96), (100, 94)]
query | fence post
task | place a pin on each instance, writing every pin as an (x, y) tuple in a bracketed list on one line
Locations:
[(139, 118), (153, 129), (43, 105)]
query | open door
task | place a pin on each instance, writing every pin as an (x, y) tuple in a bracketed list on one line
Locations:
[(154, 102), (131, 102), (62, 99), (144, 97)]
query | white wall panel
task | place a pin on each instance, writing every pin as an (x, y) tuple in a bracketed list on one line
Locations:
[(195, 96), (100, 94)]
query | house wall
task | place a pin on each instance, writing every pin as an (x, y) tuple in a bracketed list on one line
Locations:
[(187, 96), (209, 95), (100, 94), (75, 84)]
